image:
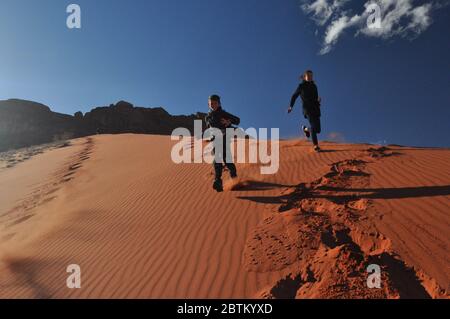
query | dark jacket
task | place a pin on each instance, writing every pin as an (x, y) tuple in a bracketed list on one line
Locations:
[(213, 119), (307, 90)]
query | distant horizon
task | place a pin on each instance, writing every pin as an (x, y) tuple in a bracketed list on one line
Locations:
[(94, 106), (282, 138)]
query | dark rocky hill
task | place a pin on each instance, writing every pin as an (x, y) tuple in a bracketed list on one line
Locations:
[(25, 123)]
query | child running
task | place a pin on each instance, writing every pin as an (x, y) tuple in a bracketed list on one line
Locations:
[(307, 90), (218, 118)]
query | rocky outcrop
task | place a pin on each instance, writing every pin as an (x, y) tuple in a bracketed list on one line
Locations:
[(26, 123)]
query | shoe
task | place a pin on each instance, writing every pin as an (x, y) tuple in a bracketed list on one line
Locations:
[(218, 185), (317, 148), (306, 131)]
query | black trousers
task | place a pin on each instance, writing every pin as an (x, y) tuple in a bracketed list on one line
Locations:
[(314, 122), (221, 153)]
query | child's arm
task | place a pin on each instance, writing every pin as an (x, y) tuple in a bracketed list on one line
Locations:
[(294, 98), (319, 99), (232, 118)]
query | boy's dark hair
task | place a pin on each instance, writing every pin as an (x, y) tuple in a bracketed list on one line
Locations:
[(302, 77), (214, 97)]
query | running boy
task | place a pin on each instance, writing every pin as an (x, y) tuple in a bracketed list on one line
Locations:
[(307, 90), (218, 118)]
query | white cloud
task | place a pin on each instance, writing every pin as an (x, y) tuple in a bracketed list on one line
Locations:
[(322, 10), (401, 18), (335, 29), (398, 18), (420, 18)]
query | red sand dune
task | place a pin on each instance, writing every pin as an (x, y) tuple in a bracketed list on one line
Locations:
[(141, 226)]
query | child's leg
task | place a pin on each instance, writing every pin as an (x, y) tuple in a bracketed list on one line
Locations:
[(306, 131), (218, 163), (229, 163), (218, 168), (232, 168), (217, 185), (318, 125), (314, 137), (315, 128)]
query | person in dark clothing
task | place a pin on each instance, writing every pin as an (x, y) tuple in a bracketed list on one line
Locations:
[(220, 119), (308, 92)]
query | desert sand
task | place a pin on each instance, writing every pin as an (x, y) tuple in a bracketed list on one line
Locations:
[(140, 226)]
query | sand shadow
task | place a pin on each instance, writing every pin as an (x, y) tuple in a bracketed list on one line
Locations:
[(391, 193), (321, 149), (260, 186), (28, 272), (410, 149), (367, 193), (276, 200), (403, 278), (331, 151)]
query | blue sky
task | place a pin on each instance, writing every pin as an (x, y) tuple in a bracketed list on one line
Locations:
[(392, 87)]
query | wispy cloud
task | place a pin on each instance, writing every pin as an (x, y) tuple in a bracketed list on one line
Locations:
[(335, 29), (322, 10), (403, 18)]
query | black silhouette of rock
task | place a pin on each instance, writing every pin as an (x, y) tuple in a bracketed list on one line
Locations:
[(25, 123), (78, 115)]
